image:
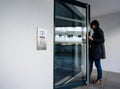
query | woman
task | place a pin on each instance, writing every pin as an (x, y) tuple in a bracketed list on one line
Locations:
[(96, 49)]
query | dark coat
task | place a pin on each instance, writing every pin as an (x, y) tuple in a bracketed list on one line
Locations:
[(97, 48)]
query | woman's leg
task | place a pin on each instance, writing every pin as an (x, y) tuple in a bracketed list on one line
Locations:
[(99, 68)]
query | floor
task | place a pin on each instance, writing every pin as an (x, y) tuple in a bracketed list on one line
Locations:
[(110, 80)]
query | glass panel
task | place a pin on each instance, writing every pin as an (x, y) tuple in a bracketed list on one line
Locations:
[(70, 44)]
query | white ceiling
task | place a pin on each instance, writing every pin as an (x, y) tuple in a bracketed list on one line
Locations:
[(103, 7)]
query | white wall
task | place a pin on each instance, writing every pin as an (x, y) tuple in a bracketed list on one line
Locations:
[(111, 26), (21, 65)]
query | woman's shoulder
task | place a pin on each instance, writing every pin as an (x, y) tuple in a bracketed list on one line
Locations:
[(100, 30)]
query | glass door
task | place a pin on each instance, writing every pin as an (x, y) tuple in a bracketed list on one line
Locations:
[(71, 45)]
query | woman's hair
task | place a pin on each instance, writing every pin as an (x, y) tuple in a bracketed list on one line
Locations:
[(94, 22)]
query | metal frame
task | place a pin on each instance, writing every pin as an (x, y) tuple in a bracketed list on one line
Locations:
[(68, 19), (88, 28)]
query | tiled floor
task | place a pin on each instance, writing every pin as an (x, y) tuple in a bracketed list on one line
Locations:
[(110, 80)]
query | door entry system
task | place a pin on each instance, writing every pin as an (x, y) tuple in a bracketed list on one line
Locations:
[(71, 24)]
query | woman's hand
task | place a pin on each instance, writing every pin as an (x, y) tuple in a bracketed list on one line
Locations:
[(90, 38)]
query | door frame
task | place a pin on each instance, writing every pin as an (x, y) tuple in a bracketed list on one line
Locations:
[(87, 7)]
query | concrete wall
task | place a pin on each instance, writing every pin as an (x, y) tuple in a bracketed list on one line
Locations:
[(111, 26), (21, 65)]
